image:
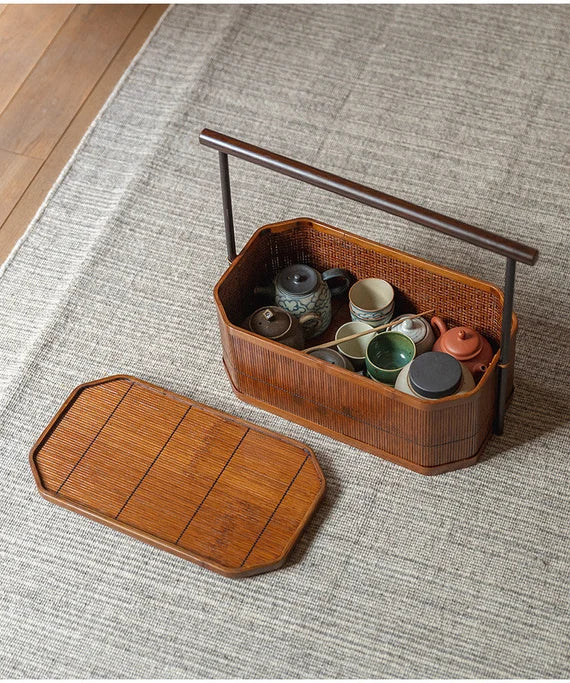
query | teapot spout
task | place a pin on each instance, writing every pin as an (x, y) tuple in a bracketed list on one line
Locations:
[(479, 371), (439, 325)]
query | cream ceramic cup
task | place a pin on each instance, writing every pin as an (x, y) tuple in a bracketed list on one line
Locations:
[(374, 321), (354, 350), (371, 299)]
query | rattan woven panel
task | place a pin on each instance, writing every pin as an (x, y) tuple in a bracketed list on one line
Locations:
[(418, 285), (218, 491)]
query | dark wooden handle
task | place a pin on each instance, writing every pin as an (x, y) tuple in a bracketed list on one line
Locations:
[(371, 197)]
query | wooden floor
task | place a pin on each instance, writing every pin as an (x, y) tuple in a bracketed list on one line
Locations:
[(58, 64)]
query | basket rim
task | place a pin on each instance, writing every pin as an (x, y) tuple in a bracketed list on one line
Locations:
[(306, 222)]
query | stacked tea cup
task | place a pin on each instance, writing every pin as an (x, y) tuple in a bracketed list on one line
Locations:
[(371, 301)]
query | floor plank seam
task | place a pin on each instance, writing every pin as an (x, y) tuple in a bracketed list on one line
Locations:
[(17, 244), (36, 64)]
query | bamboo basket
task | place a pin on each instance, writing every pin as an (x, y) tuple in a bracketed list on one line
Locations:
[(428, 436)]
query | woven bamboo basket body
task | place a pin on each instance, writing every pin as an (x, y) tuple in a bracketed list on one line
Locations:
[(429, 436)]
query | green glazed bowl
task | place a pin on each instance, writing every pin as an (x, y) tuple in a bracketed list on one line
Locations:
[(387, 354)]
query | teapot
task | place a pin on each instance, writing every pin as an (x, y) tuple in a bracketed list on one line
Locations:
[(275, 323), (301, 289), (465, 344), (418, 330)]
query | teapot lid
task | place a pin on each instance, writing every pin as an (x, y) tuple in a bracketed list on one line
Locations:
[(435, 374), (462, 342), (415, 329), (298, 279), (270, 321)]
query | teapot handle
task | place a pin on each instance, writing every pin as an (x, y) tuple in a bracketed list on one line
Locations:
[(267, 291), (334, 274), (307, 317), (439, 325)]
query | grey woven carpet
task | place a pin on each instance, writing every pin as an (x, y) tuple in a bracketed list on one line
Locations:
[(463, 109)]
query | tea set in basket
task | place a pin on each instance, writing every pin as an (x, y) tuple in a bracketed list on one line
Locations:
[(393, 354), (303, 310)]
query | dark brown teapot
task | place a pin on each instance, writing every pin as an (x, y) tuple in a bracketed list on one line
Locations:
[(278, 324)]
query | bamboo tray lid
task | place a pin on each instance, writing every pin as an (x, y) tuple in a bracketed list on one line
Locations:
[(211, 488)]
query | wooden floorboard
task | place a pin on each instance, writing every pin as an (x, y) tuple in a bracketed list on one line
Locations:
[(25, 33), (78, 55), (17, 173), (58, 149)]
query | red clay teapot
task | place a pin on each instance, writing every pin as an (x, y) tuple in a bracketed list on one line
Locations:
[(465, 344)]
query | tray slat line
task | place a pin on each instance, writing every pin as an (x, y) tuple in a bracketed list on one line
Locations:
[(131, 494), (95, 437), (212, 486), (275, 510)]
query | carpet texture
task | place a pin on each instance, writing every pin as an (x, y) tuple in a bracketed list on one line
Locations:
[(463, 109)]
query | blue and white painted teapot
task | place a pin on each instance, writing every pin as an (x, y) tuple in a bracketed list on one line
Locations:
[(301, 289)]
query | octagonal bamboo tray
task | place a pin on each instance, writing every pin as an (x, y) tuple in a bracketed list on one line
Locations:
[(219, 491)]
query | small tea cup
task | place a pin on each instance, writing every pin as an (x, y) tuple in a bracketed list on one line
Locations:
[(371, 300), (333, 357), (372, 319), (386, 355), (355, 349)]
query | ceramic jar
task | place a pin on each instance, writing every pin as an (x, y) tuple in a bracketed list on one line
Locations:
[(275, 323), (418, 330), (435, 375), (465, 344), (301, 289)]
